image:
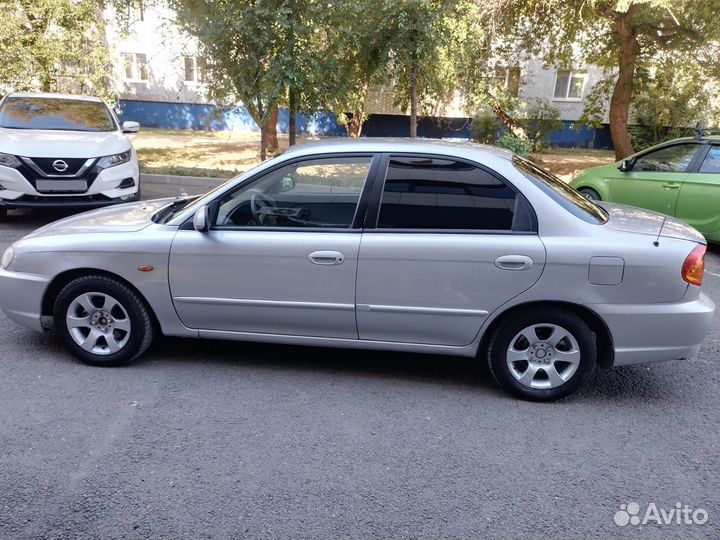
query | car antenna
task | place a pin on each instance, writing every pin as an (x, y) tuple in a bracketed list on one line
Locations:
[(656, 243)]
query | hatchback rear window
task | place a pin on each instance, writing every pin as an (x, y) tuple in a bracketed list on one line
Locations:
[(55, 114), (560, 192)]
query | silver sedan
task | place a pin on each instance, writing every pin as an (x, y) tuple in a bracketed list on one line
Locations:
[(389, 245)]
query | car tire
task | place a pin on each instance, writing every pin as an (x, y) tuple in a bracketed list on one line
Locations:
[(102, 321), (3, 213), (542, 354), (590, 194)]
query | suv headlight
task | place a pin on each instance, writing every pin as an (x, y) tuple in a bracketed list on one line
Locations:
[(116, 159), (7, 258), (8, 160)]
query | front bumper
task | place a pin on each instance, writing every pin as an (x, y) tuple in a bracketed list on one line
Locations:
[(21, 297), (85, 202), (644, 333), (17, 191)]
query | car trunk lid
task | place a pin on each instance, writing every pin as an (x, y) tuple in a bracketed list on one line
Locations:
[(640, 221)]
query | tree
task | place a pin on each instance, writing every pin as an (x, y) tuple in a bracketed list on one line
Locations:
[(361, 37), (41, 47), (245, 42), (626, 36), (427, 39)]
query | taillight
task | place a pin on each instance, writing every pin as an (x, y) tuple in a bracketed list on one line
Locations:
[(693, 268)]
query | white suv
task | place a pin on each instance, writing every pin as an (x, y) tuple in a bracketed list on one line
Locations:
[(61, 150)]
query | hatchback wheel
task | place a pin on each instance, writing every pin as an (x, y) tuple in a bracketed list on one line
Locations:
[(102, 321), (542, 354), (591, 194)]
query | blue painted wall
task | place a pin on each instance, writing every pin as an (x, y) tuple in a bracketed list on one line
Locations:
[(215, 118)]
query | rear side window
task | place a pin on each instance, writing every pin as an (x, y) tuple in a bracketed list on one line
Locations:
[(424, 193), (669, 159), (711, 164)]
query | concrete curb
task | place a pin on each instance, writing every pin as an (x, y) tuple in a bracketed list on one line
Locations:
[(189, 181)]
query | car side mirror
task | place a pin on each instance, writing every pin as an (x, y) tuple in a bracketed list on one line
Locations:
[(130, 127), (287, 184), (625, 165), (201, 219)]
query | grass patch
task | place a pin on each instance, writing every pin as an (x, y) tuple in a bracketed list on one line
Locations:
[(174, 170), (579, 152)]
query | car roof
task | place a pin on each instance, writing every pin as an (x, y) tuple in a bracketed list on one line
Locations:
[(400, 145), (49, 95)]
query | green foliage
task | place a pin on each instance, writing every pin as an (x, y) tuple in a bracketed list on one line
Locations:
[(54, 45), (431, 44), (540, 119), (485, 127), (514, 144)]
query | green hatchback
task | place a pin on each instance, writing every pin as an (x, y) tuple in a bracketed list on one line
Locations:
[(680, 178)]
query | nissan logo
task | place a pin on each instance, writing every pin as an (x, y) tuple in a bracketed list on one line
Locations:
[(59, 165)]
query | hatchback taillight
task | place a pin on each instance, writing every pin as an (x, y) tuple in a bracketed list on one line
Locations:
[(693, 268)]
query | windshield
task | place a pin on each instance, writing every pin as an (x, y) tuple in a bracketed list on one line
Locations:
[(560, 192), (55, 114)]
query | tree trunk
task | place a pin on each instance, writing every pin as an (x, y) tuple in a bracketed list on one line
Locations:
[(258, 117), (271, 139), (413, 100), (623, 91), (511, 124), (292, 126), (354, 127)]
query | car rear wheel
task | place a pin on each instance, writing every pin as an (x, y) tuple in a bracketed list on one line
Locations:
[(102, 321), (590, 194), (3, 213), (542, 354)]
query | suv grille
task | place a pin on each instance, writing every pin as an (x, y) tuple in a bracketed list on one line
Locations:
[(46, 165)]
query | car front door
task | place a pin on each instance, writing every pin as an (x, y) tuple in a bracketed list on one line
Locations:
[(699, 200), (655, 178), (453, 242), (280, 256)]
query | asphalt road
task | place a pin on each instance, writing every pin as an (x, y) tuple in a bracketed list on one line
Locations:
[(232, 440)]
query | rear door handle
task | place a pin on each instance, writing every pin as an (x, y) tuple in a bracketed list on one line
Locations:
[(326, 258), (671, 185), (514, 262)]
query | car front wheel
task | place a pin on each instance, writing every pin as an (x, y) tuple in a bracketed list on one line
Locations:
[(542, 354), (590, 194), (102, 321)]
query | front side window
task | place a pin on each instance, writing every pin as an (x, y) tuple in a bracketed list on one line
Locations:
[(569, 84), (669, 159), (322, 192), (424, 193), (711, 164), (55, 114)]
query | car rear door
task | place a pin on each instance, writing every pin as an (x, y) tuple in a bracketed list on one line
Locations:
[(655, 179), (281, 254), (699, 200), (447, 243)]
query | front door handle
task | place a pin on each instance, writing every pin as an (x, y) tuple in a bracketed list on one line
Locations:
[(671, 185), (326, 258), (514, 262)]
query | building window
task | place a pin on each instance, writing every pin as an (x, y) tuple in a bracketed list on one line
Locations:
[(136, 68), (508, 78), (194, 69), (569, 84)]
